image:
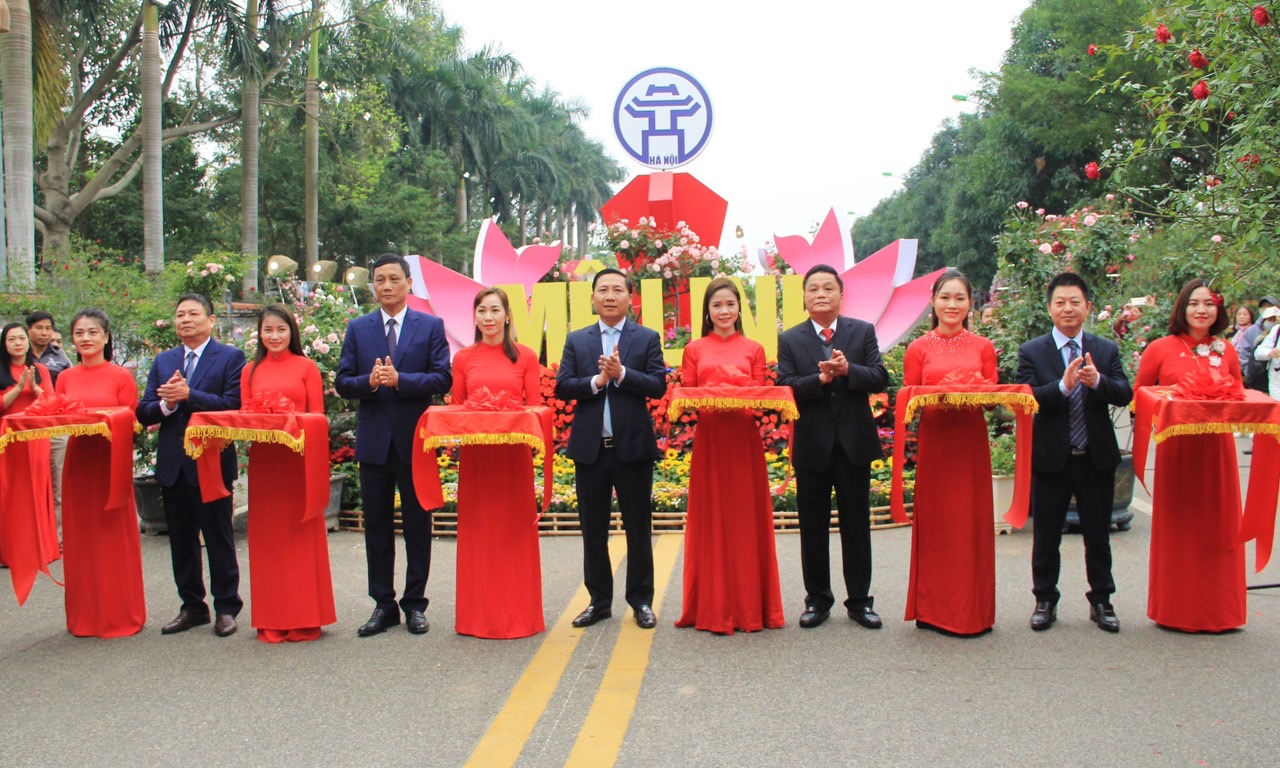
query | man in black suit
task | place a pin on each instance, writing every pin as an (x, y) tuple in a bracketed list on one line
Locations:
[(1075, 376), (198, 375), (610, 369), (832, 363), (393, 361)]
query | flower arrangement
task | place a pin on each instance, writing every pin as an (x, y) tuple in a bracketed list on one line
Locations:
[(212, 274), (647, 250)]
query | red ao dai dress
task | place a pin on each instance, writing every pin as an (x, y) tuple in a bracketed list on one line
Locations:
[(953, 574), (291, 587), (27, 485), (499, 578), (730, 559), (1197, 567), (102, 549)]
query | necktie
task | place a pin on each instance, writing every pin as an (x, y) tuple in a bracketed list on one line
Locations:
[(827, 333), (391, 338), (610, 341), (1075, 400), (191, 365)]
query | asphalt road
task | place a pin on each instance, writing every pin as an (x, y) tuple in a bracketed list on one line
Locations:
[(836, 695)]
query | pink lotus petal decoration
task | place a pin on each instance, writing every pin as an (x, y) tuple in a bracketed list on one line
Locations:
[(446, 294), (832, 245), (497, 262), (878, 289)]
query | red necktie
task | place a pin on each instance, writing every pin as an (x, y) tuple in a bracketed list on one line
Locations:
[(827, 333)]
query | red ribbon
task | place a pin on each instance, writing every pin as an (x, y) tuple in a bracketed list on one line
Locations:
[(1208, 384), (484, 400), (268, 402), (53, 404)]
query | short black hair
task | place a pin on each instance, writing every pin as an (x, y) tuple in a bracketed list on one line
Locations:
[(390, 258), (1066, 279), (40, 315), (611, 271), (199, 298), (822, 269)]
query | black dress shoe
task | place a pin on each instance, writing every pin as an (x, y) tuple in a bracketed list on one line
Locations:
[(645, 618), (1044, 615), (866, 617), (185, 620), (813, 617), (225, 626), (416, 622), (1104, 616), (591, 616), (379, 622)]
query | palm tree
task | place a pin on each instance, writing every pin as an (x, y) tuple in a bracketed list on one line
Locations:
[(18, 270), (152, 128), (311, 141), (250, 122)]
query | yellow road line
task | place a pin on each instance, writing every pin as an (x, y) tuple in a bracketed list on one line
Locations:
[(510, 730), (601, 736)]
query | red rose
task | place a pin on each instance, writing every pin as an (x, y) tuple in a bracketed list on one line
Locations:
[(1261, 17), (1230, 116), (1212, 181), (1091, 170), (1093, 49), (1200, 90), (1197, 59), (1058, 247), (1162, 34), (1250, 161)]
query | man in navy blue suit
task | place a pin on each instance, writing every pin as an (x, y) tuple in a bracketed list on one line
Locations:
[(393, 362), (1075, 377), (198, 375), (611, 369)]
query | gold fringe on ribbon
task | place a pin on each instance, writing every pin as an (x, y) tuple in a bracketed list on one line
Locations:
[(44, 433), (279, 437), (970, 400), (785, 408), (432, 442), (1216, 428)]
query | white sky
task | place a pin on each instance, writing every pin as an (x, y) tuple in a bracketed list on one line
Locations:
[(813, 99)]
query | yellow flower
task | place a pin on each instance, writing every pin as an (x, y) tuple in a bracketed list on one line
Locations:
[(877, 465), (442, 460), (672, 454)]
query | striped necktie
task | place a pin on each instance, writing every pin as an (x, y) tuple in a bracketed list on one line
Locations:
[(1075, 399)]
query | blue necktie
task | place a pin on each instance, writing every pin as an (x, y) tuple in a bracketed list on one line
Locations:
[(391, 338), (610, 336), (1075, 400), (191, 365)]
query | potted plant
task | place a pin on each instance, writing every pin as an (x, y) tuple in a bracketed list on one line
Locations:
[(1003, 453), (146, 490)]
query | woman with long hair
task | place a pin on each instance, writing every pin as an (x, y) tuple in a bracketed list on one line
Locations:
[(730, 558), (291, 585), (499, 579), (1197, 559), (102, 549), (25, 477), (952, 586)]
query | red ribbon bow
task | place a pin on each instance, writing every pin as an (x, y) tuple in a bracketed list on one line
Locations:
[(484, 400), (967, 376), (52, 404), (728, 376), (268, 402), (1208, 384)]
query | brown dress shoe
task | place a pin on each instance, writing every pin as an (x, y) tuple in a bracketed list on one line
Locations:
[(183, 621), (225, 626)]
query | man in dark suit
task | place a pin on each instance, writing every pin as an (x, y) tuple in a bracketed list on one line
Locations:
[(393, 361), (832, 363), (1075, 376), (198, 375), (610, 369)]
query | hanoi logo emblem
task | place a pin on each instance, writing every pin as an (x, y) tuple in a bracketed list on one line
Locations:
[(662, 118)]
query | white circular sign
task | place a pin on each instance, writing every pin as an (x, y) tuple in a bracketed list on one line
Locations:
[(662, 118)]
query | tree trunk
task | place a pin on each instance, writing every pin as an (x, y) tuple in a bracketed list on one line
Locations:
[(152, 125), (17, 272), (524, 223), (311, 142), (4, 249), (250, 115), (461, 204)]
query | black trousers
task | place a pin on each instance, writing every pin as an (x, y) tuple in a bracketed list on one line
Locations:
[(187, 517), (378, 484), (852, 485), (1051, 493), (595, 485)]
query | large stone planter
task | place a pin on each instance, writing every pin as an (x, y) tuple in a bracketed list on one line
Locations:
[(335, 502), (146, 494), (1001, 498)]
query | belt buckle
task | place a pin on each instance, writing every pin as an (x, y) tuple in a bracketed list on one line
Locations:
[(607, 442)]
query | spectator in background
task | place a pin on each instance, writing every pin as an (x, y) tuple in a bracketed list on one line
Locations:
[(1244, 336), (48, 352)]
